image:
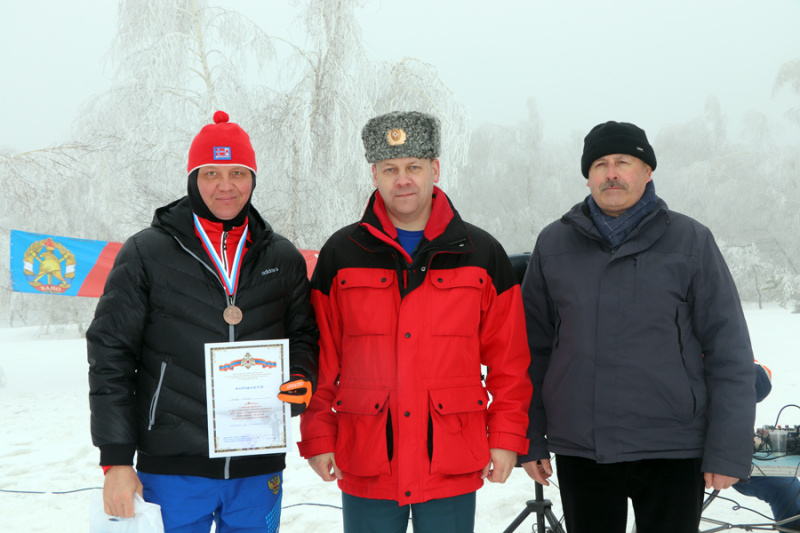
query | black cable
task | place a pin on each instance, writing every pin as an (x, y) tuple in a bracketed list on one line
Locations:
[(101, 488), (777, 418), (737, 506), (44, 492), (312, 504)]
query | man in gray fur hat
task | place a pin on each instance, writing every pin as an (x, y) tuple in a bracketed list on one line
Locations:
[(411, 301), (640, 357)]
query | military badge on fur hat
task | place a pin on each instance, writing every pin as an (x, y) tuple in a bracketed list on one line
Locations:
[(401, 134)]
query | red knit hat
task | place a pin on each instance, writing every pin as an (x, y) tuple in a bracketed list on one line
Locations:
[(222, 143)]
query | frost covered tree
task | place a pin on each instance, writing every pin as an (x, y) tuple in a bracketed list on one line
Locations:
[(313, 130), (757, 279), (48, 196), (43, 180), (744, 189), (516, 183), (180, 60), (789, 75), (177, 62)]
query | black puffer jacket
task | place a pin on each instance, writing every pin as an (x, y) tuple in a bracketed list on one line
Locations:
[(162, 302)]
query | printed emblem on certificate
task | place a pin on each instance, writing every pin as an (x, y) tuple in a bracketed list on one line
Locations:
[(245, 416)]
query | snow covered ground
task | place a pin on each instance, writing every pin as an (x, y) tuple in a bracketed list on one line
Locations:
[(49, 472)]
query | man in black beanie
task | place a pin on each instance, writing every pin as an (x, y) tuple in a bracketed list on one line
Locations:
[(640, 357)]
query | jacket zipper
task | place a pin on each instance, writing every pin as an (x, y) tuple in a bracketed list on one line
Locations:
[(154, 400), (231, 336), (224, 249), (230, 300), (683, 361), (444, 248), (223, 246)]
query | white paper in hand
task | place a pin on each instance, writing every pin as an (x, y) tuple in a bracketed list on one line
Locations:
[(146, 519)]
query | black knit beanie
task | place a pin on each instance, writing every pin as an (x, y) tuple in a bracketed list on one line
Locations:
[(616, 138)]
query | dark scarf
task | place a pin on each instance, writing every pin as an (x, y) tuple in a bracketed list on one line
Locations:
[(201, 209), (615, 229)]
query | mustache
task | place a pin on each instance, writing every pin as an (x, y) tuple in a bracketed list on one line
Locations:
[(612, 184)]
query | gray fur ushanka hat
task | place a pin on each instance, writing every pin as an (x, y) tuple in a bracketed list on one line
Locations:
[(401, 134)]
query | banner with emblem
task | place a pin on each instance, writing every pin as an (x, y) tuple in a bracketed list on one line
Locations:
[(50, 264)]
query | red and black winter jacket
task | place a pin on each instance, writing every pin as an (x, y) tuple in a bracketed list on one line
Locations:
[(401, 399)]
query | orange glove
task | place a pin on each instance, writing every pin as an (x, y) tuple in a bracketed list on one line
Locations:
[(296, 391)]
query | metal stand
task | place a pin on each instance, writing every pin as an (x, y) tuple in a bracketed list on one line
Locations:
[(543, 510)]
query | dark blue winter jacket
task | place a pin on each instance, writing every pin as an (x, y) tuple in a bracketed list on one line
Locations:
[(639, 351)]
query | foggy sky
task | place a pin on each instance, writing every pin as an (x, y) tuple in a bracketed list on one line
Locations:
[(584, 62)]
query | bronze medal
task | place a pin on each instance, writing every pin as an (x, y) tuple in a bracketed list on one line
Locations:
[(232, 315)]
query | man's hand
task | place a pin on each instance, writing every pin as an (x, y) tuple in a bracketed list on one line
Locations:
[(539, 471), (500, 466), (120, 485), (296, 391), (718, 481), (325, 466)]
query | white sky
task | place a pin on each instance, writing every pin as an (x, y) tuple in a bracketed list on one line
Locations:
[(583, 61)]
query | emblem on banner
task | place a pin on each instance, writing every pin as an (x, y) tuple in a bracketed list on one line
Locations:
[(49, 266)]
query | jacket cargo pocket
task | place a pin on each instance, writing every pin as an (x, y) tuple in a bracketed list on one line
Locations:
[(459, 425), (456, 300), (361, 447), (368, 300)]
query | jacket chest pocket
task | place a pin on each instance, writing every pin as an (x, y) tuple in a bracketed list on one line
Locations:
[(369, 300), (456, 301), (361, 443), (459, 432)]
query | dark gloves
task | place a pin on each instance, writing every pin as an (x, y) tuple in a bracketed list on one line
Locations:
[(296, 391)]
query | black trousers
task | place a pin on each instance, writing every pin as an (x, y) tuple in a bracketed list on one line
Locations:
[(667, 495)]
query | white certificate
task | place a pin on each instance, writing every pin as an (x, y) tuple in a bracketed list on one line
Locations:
[(245, 416)]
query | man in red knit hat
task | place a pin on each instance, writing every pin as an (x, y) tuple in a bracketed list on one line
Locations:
[(209, 269)]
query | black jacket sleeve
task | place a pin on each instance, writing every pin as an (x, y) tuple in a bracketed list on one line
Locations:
[(113, 346)]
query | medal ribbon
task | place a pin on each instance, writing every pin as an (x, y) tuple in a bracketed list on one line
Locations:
[(229, 279)]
